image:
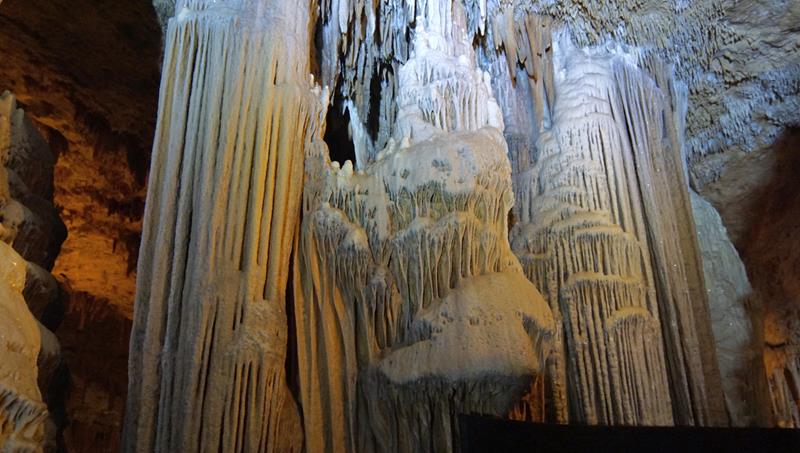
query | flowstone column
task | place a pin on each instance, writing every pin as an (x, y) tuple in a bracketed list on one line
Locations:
[(604, 226), (209, 339), (410, 306)]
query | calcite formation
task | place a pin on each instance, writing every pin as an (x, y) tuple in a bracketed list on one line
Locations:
[(783, 362), (87, 75), (730, 295), (208, 346), (22, 412), (410, 306), (29, 240), (598, 163), (513, 235)]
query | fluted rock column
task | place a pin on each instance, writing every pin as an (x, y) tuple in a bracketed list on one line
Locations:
[(410, 306), (578, 227), (210, 331), (605, 228)]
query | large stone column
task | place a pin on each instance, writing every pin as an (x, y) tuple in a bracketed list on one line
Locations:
[(605, 227), (210, 331), (410, 306)]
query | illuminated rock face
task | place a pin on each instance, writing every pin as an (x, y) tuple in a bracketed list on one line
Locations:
[(29, 239), (208, 346), (410, 305), (605, 228), (413, 298), (577, 236), (22, 412), (730, 296)]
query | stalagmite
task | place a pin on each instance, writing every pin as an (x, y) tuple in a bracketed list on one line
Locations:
[(410, 306), (597, 157), (582, 246), (208, 349)]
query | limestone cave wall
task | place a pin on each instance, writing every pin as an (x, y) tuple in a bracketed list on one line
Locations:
[(86, 74)]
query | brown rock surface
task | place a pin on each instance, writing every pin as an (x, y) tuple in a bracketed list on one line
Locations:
[(87, 73), (759, 200)]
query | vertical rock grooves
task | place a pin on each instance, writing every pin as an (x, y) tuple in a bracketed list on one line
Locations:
[(585, 245), (647, 97), (209, 341), (410, 306), (784, 385), (592, 234)]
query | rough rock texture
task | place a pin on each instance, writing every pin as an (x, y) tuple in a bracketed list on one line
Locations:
[(87, 74), (97, 110), (731, 303), (741, 63), (29, 352), (94, 339), (29, 219), (86, 70), (22, 412), (209, 339), (764, 221), (739, 59), (599, 125), (410, 306), (604, 225)]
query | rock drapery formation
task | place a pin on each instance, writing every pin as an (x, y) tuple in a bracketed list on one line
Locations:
[(407, 304), (598, 164), (410, 305), (764, 225), (22, 412), (209, 339), (87, 76), (30, 235)]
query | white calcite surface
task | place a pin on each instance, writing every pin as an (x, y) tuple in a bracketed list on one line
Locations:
[(208, 348), (604, 226), (28, 351), (730, 295), (410, 305), (414, 293)]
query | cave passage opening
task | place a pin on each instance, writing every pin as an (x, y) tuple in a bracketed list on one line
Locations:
[(337, 132)]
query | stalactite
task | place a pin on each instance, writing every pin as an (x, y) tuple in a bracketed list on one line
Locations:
[(644, 102), (784, 385), (410, 306), (209, 342), (607, 158)]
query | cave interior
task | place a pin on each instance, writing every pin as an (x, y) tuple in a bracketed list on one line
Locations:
[(264, 225)]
